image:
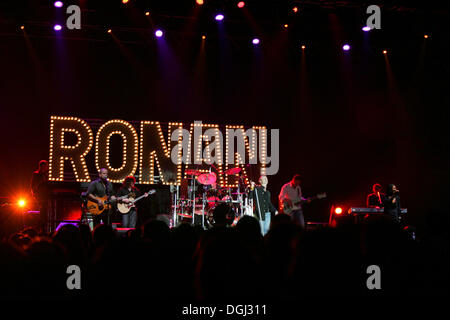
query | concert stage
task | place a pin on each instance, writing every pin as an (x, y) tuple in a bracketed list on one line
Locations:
[(221, 151)]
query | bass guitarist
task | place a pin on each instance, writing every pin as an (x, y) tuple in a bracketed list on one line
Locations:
[(97, 191), (291, 193)]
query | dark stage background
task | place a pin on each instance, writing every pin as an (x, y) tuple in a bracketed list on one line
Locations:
[(346, 119)]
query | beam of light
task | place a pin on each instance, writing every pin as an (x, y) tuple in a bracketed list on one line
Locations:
[(219, 17), (241, 4), (57, 27), (58, 4), (345, 47), (255, 41), (159, 33), (21, 203), (338, 210), (366, 29)]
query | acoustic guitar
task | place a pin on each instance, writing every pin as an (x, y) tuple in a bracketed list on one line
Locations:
[(124, 208), (286, 208), (95, 209)]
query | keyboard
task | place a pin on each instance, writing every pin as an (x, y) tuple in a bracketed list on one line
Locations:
[(371, 210)]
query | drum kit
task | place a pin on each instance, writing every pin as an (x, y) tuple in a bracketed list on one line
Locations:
[(203, 194)]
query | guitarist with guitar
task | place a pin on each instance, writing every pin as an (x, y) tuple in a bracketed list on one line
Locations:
[(100, 195), (291, 200), (128, 194)]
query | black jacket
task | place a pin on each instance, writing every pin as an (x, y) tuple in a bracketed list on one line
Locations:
[(264, 202), (390, 208)]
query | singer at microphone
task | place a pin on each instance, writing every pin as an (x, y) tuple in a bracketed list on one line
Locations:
[(391, 202)]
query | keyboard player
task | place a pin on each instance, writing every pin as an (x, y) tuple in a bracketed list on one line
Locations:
[(375, 199)]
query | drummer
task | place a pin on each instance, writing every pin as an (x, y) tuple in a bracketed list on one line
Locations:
[(263, 207)]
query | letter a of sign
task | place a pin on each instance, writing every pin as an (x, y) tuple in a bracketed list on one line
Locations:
[(374, 20), (74, 20), (74, 280), (374, 280)]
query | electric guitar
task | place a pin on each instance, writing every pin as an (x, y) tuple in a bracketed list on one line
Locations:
[(124, 208), (285, 207)]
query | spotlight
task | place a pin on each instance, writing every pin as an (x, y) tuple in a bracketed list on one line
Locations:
[(219, 17), (255, 41), (21, 203), (109, 30), (203, 37), (147, 13), (346, 47), (425, 36), (338, 210), (199, 2), (158, 33), (125, 1), (303, 47), (241, 4), (384, 51), (57, 27), (22, 27), (295, 9), (366, 28), (286, 25), (58, 4)]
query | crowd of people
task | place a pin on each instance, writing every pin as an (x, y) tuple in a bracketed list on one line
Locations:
[(224, 263)]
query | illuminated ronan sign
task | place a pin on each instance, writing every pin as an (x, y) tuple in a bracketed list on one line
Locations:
[(153, 153)]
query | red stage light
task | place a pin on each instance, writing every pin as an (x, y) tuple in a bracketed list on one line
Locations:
[(21, 203), (295, 9), (124, 1), (199, 2), (241, 4), (338, 210)]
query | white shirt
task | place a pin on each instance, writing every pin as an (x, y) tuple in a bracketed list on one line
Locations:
[(288, 191)]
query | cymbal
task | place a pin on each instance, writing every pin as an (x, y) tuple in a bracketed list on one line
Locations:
[(207, 178), (192, 172), (233, 170)]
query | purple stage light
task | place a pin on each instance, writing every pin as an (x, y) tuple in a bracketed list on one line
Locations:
[(346, 47), (158, 33), (255, 41), (219, 17), (366, 28), (57, 27), (58, 4)]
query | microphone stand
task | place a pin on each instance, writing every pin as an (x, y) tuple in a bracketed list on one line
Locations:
[(257, 201)]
